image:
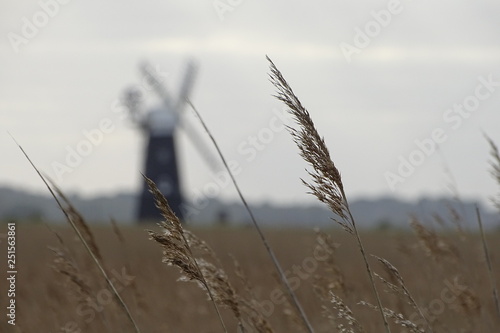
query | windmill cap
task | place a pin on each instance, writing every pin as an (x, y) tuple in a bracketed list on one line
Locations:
[(161, 121)]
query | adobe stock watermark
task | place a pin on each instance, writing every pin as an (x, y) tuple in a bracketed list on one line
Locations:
[(249, 149), (76, 154), (30, 27), (296, 275), (222, 7), (89, 310), (363, 37), (453, 118), (448, 295)]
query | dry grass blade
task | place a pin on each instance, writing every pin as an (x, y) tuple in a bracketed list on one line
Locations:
[(333, 279), (488, 262), (345, 314), (68, 216), (327, 183), (457, 217), (82, 292), (395, 273), (179, 246), (250, 305), (398, 318), (79, 222), (176, 249), (216, 278), (432, 244), (269, 250), (117, 231), (65, 266), (495, 167), (221, 289), (141, 303)]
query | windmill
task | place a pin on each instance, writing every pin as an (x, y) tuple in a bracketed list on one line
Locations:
[(159, 124)]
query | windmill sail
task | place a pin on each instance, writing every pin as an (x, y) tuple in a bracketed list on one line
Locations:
[(161, 163)]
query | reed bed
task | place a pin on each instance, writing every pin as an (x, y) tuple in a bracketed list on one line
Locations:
[(125, 279)]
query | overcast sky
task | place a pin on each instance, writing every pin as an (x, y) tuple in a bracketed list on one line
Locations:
[(375, 75)]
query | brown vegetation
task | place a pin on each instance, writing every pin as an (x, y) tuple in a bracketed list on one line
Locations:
[(49, 301)]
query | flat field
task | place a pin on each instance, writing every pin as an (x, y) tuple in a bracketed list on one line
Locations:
[(59, 289)]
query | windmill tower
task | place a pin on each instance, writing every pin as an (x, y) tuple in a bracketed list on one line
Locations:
[(159, 124)]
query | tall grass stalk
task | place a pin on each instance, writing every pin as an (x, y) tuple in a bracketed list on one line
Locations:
[(327, 183), (395, 274), (121, 302), (177, 249), (495, 167), (256, 225), (488, 262)]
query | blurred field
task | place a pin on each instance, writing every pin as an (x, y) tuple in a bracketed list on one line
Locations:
[(49, 301)]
